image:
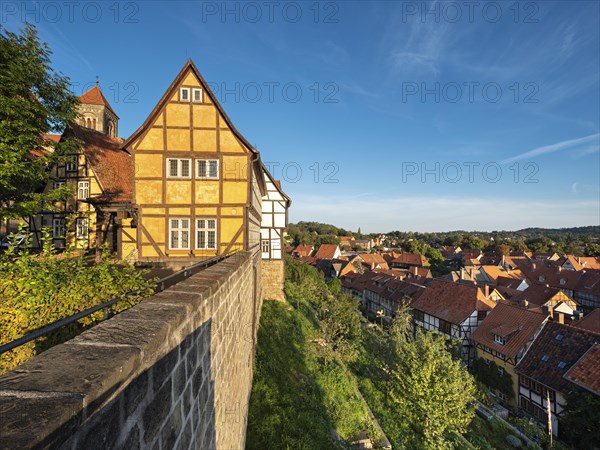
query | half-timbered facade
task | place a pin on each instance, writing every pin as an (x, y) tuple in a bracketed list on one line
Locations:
[(543, 371), (503, 338), (454, 310), (198, 183), (275, 204)]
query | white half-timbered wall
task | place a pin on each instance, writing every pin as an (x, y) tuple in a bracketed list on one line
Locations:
[(274, 221)]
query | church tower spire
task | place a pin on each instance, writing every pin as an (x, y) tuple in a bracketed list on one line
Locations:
[(96, 113)]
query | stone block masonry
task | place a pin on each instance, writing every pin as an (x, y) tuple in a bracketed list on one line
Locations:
[(174, 372), (273, 275)]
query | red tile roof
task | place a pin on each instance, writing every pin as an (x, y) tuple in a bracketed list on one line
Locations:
[(516, 324), (586, 371), (112, 165), (412, 259), (590, 322), (303, 250), (556, 349), (327, 251), (95, 97), (452, 302)]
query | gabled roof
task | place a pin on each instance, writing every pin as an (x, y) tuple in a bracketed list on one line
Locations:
[(112, 165), (277, 184), (536, 294), (452, 302), (188, 66), (327, 251), (95, 97), (586, 372), (516, 324), (304, 250), (590, 322), (411, 259), (555, 350)]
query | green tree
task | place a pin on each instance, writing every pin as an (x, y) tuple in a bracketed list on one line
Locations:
[(431, 390), (592, 250), (34, 100)]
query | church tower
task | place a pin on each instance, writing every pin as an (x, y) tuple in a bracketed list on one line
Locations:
[(97, 114)]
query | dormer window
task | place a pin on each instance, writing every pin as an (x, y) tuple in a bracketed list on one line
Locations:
[(542, 278), (197, 95), (184, 94), (499, 339), (562, 281)]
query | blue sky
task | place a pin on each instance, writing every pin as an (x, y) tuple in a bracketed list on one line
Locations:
[(424, 116)]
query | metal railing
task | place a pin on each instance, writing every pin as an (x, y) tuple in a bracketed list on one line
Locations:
[(161, 285)]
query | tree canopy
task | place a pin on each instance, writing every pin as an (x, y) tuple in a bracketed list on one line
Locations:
[(34, 100)]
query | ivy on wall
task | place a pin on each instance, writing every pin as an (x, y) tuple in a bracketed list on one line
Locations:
[(488, 373)]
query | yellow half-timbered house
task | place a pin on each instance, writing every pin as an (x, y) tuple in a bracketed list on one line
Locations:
[(197, 183)]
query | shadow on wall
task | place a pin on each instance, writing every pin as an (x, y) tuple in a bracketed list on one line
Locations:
[(44, 403)]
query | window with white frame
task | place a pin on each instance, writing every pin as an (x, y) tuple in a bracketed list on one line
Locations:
[(58, 228), (207, 168), (500, 339), (82, 228), (206, 234), (58, 184), (179, 168), (179, 234), (72, 164), (197, 95), (83, 189), (184, 94)]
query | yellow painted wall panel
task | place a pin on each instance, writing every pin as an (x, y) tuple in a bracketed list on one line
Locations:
[(205, 140), (178, 115), (179, 211), (179, 192), (178, 139), (155, 226), (232, 210), (191, 80), (235, 168), (229, 227), (153, 140), (235, 192), (223, 123), (148, 165), (206, 211), (205, 116), (160, 211), (229, 143), (148, 251), (148, 191), (207, 192)]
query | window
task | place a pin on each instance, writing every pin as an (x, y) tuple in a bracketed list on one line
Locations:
[(419, 315), (487, 349), (500, 355), (206, 234), (72, 164), (83, 190), (525, 381), (499, 339), (265, 245), (445, 327), (58, 228), (481, 315), (207, 168), (501, 396), (501, 371), (559, 337), (82, 229), (197, 95), (545, 358), (184, 94), (179, 234), (178, 168), (58, 184), (562, 365)]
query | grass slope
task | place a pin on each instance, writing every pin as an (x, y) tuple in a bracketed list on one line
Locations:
[(296, 399)]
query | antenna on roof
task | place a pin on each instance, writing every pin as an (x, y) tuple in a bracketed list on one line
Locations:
[(97, 80)]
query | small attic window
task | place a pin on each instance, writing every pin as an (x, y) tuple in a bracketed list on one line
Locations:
[(542, 278), (563, 281), (545, 358), (184, 94), (559, 337), (562, 365), (197, 95), (499, 339)]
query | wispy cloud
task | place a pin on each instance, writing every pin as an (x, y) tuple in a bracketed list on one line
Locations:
[(564, 145)]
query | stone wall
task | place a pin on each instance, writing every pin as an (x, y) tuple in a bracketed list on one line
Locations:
[(173, 372), (273, 276)]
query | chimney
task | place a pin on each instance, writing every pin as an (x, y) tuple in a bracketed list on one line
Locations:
[(462, 273), (559, 269), (579, 259), (533, 266), (486, 291), (561, 318), (525, 304)]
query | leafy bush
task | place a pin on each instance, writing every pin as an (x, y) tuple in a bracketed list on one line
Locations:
[(39, 289)]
